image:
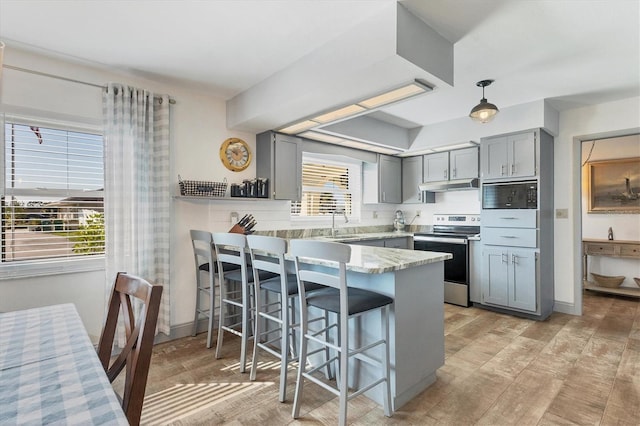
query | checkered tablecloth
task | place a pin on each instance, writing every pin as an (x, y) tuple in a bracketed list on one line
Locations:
[(50, 372)]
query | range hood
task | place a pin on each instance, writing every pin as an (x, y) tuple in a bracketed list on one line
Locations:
[(449, 185)]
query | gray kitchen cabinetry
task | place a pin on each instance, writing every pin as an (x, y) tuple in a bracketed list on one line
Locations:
[(475, 270), (435, 167), (463, 163), (517, 243), (411, 178), (399, 242), (509, 278), (510, 156), (279, 158), (451, 165), (382, 181)]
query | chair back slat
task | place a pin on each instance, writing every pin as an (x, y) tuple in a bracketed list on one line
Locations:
[(202, 246), (267, 253), (327, 252), (136, 355), (230, 248)]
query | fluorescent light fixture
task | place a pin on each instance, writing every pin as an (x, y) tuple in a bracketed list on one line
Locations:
[(299, 127), (337, 114), (420, 152), (395, 95), (321, 137), (415, 88), (456, 146), (335, 140)]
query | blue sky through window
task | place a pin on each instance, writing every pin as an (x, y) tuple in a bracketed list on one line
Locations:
[(45, 158)]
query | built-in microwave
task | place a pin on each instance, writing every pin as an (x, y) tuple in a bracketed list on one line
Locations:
[(511, 195)]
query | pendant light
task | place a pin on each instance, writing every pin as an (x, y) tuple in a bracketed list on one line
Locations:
[(484, 112)]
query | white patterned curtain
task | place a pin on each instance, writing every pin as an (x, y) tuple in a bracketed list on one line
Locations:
[(137, 194)]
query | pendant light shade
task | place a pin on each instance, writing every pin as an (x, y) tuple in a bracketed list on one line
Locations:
[(484, 111)]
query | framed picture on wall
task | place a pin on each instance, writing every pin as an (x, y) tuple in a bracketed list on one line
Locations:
[(614, 186)]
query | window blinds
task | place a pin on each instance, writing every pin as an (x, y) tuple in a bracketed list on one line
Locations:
[(52, 193)]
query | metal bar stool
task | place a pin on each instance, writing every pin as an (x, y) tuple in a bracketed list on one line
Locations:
[(347, 303), (231, 248), (203, 255), (267, 255)]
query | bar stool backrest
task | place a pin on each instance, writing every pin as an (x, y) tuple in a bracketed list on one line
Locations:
[(202, 248), (230, 248), (326, 251), (267, 253)]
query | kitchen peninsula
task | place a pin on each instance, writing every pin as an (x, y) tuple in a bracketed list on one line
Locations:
[(415, 280)]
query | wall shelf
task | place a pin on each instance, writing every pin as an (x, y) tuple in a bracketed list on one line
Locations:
[(216, 199)]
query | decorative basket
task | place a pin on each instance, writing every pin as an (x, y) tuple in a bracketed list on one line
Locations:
[(202, 188), (607, 281)]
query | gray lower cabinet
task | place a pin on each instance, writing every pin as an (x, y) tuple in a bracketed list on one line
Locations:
[(279, 158), (371, 243), (400, 242), (509, 278)]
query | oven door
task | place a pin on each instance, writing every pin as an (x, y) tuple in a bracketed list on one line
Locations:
[(456, 270)]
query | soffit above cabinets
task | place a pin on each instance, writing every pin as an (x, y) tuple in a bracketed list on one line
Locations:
[(384, 52)]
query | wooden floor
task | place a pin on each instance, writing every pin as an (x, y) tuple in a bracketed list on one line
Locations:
[(499, 370)]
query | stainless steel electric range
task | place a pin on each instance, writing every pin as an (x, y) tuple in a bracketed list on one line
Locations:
[(450, 234)]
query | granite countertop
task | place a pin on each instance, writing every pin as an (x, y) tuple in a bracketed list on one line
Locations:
[(364, 236), (378, 260), (367, 259)]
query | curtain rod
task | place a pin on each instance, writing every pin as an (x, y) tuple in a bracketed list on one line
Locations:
[(44, 74)]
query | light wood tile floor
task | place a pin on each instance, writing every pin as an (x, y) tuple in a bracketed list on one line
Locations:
[(499, 370)]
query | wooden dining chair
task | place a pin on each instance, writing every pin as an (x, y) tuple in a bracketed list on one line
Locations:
[(136, 354)]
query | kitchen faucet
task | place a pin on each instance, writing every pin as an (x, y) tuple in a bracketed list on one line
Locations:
[(333, 220)]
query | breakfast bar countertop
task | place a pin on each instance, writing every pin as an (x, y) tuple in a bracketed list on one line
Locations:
[(378, 260)]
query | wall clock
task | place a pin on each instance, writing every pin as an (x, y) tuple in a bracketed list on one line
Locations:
[(235, 154)]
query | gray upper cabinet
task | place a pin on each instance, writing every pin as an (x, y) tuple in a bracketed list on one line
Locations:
[(411, 178), (382, 181), (279, 158), (436, 167), (463, 163), (508, 157), (390, 175), (451, 165)]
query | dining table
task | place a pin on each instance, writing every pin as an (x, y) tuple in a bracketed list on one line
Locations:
[(50, 372)]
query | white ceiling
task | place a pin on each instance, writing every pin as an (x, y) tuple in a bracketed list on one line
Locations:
[(573, 52)]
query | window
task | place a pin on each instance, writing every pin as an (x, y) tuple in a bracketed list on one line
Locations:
[(52, 193), (328, 185)]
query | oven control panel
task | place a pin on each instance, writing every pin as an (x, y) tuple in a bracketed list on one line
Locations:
[(457, 219)]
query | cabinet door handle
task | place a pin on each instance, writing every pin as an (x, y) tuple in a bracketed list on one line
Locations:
[(502, 167), (509, 218), (513, 169), (384, 196), (455, 173), (505, 258), (514, 259), (445, 174), (508, 236), (419, 195)]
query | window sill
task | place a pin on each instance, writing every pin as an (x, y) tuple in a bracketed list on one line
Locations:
[(25, 269)]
